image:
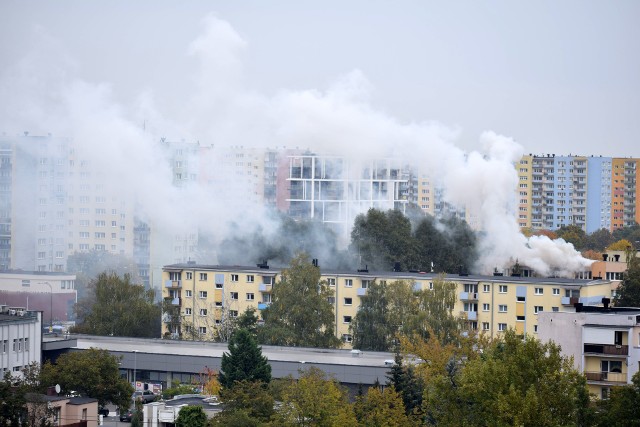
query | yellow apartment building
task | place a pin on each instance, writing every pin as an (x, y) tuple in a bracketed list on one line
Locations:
[(604, 343), (207, 296)]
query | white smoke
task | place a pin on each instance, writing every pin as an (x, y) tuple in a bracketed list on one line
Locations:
[(221, 111)]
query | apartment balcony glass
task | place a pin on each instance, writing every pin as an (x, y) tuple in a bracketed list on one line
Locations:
[(468, 296)]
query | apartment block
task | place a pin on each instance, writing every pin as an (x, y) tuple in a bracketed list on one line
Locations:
[(589, 192), (207, 295), (20, 339), (604, 343)]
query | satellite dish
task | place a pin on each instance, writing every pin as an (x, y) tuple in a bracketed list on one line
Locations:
[(58, 388)]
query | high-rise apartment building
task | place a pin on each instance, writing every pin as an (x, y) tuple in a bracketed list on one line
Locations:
[(54, 203), (589, 192)]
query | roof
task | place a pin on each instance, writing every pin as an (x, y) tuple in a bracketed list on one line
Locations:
[(81, 400), (398, 275)]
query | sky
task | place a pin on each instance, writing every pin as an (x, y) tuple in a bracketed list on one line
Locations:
[(557, 77)]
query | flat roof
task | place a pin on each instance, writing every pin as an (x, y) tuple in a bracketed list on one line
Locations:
[(211, 349), (399, 275)]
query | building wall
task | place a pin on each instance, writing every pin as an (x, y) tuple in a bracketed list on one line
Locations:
[(490, 304), (20, 341), (604, 345)]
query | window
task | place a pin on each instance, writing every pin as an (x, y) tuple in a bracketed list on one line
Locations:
[(175, 275), (537, 309), (203, 312), (233, 313), (202, 329), (485, 307), (348, 301), (4, 346), (84, 234), (189, 275), (486, 288), (520, 318), (233, 295), (203, 277), (539, 291), (15, 344), (555, 309), (485, 326), (250, 278), (218, 303), (535, 329), (502, 308), (556, 291), (250, 297), (187, 311), (348, 283), (347, 337), (331, 300), (502, 327), (503, 289), (346, 319), (219, 285), (234, 277), (366, 284), (331, 281), (203, 294), (520, 299)]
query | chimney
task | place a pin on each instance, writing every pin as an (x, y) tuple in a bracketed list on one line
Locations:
[(605, 302), (605, 257)]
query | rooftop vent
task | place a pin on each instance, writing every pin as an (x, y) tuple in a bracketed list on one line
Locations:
[(263, 265)]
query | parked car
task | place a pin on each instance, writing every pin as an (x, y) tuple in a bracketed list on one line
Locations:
[(145, 396), (126, 415), (103, 411)]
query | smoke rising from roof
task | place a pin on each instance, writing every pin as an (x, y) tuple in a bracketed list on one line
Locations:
[(42, 94)]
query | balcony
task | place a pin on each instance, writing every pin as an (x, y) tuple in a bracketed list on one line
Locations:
[(175, 301), (262, 305), (175, 284), (609, 377), (361, 291), (469, 315), (570, 300), (468, 296), (610, 349), (263, 287)]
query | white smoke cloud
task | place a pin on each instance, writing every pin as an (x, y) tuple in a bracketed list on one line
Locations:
[(124, 142)]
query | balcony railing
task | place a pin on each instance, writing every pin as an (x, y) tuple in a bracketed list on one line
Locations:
[(173, 283), (616, 350), (468, 296), (570, 300), (175, 301), (469, 315), (610, 377)]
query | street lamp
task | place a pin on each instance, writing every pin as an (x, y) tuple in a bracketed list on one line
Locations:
[(51, 304)]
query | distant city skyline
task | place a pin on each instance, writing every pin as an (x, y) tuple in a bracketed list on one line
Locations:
[(558, 78)]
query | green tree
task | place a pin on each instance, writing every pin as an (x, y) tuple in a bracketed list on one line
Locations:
[(92, 373), (628, 293), (370, 327), (630, 233), (409, 386), (515, 382), (88, 265), (248, 320), (191, 416), (300, 313), (244, 361), (16, 392), (117, 307), (251, 399), (623, 406), (315, 400), (572, 234), (435, 311), (599, 240)]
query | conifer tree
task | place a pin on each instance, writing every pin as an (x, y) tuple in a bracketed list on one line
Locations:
[(244, 361)]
